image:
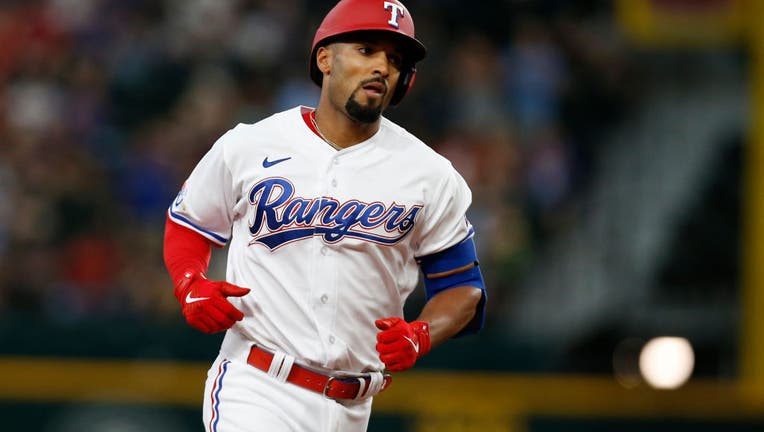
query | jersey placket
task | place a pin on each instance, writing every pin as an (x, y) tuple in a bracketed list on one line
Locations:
[(324, 292)]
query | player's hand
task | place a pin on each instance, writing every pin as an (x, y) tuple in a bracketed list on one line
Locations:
[(204, 302), (401, 343)]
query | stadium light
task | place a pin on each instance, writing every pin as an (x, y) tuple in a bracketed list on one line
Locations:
[(667, 362)]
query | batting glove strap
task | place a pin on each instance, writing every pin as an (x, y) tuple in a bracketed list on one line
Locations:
[(183, 285), (422, 332)]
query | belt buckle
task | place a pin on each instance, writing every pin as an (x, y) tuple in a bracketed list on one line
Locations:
[(326, 386)]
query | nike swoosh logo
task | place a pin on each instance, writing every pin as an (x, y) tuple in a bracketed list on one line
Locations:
[(416, 345), (190, 299), (268, 164)]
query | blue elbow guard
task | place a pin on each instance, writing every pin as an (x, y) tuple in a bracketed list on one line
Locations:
[(456, 257)]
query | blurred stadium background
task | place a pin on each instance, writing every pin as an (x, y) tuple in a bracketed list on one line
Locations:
[(615, 151)]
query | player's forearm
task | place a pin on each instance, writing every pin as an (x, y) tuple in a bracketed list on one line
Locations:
[(450, 311), (184, 250)]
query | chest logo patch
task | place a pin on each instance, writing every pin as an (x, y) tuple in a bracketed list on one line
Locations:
[(281, 218)]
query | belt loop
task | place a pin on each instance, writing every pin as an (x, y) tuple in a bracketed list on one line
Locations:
[(376, 381), (281, 365), (361, 388)]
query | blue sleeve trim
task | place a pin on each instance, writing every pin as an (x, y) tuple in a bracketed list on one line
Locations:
[(206, 233), (455, 257)]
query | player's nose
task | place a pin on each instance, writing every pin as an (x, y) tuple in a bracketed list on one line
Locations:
[(380, 63)]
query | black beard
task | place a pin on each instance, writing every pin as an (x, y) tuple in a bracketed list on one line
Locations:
[(360, 113)]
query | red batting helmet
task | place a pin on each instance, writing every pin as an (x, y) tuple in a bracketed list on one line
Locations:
[(350, 16)]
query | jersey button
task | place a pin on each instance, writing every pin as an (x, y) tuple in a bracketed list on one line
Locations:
[(331, 339), (324, 298), (336, 161), (334, 182), (324, 250)]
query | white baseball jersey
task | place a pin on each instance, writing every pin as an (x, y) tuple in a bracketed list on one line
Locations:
[(325, 239)]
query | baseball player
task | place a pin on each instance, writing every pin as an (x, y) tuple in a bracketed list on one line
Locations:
[(329, 214)]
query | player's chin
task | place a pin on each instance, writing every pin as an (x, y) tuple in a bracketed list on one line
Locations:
[(364, 111)]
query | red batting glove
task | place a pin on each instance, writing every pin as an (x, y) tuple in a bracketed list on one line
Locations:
[(204, 302), (400, 343)]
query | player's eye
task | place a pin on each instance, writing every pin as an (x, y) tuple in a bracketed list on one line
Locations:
[(396, 60)]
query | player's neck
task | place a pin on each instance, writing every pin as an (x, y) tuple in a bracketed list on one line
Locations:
[(341, 131)]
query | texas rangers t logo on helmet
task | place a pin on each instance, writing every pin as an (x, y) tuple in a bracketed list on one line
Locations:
[(396, 11)]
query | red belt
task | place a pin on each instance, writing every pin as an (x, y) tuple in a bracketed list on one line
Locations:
[(332, 386)]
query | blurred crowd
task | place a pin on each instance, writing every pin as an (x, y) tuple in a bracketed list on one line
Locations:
[(106, 105)]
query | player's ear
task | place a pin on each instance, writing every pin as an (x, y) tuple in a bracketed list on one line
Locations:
[(324, 59)]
